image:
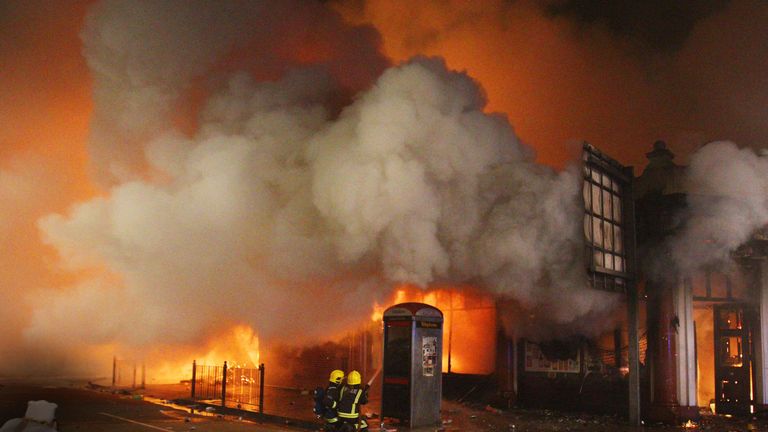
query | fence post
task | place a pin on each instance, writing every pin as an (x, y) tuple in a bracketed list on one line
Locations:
[(261, 388), (194, 376), (224, 386)]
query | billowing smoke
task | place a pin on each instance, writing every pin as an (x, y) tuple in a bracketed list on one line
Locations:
[(150, 58), (727, 202), (292, 206)]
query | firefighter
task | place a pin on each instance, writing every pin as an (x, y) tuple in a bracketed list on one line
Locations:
[(352, 396), (331, 398)]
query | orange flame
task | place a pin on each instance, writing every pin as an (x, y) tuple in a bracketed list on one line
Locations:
[(469, 329), (239, 348)]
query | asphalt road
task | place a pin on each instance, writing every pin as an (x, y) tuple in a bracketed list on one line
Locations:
[(100, 411), (93, 411)]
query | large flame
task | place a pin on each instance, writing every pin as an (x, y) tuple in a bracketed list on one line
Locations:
[(469, 329), (239, 347)]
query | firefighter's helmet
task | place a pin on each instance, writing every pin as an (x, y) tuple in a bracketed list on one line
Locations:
[(336, 377), (354, 378)]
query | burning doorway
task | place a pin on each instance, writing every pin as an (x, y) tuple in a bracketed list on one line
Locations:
[(724, 344), (733, 360)]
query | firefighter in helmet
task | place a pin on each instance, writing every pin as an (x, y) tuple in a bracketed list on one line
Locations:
[(331, 399), (352, 396)]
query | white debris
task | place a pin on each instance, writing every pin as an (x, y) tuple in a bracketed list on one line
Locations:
[(40, 417)]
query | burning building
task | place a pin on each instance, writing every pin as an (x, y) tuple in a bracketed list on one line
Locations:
[(266, 194), (686, 331), (594, 368), (498, 349), (256, 165), (702, 251)]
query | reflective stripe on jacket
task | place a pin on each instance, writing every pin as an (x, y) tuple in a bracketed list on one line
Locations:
[(351, 397), (332, 395)]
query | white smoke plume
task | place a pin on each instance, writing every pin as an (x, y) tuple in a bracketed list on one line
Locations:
[(727, 201), (284, 211), (144, 55)]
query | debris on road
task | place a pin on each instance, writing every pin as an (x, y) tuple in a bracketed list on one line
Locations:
[(40, 417)]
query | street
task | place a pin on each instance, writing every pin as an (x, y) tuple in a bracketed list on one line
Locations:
[(91, 410)]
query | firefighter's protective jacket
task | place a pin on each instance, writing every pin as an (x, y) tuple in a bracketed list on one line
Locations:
[(352, 396), (331, 402)]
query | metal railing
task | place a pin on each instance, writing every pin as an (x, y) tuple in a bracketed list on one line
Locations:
[(124, 374), (229, 386)]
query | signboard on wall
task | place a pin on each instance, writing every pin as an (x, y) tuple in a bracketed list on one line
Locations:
[(536, 361)]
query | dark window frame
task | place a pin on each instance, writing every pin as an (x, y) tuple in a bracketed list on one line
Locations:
[(619, 185)]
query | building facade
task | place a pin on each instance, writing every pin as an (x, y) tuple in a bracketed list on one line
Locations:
[(682, 342), (706, 327)]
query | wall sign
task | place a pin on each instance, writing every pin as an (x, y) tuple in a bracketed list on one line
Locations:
[(536, 361)]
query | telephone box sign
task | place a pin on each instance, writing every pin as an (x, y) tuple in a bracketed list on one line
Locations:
[(429, 312), (429, 324), (399, 312), (428, 355)]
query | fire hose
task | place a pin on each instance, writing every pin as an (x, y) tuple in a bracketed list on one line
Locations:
[(370, 381), (367, 386)]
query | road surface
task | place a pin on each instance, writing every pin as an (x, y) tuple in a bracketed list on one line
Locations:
[(93, 411)]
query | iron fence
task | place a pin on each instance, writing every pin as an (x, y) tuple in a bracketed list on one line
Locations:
[(126, 373), (229, 386)]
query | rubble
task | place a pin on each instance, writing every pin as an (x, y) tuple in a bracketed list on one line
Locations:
[(471, 418), (493, 410)]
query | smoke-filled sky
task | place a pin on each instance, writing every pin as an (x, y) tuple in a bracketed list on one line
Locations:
[(169, 169)]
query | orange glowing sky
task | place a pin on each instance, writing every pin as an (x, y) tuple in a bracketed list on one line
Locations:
[(44, 113), (556, 92), (561, 82), (45, 86), (556, 88)]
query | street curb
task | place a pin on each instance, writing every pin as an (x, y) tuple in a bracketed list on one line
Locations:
[(250, 415)]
